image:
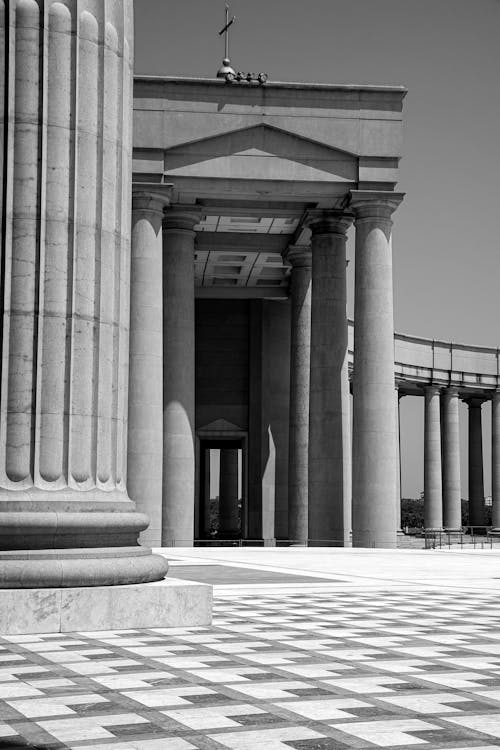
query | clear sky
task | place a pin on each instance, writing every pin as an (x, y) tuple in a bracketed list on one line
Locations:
[(447, 53)]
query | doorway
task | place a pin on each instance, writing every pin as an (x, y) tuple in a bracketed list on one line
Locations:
[(222, 489)]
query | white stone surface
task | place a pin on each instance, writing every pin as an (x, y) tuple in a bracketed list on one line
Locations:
[(162, 604), (367, 569)]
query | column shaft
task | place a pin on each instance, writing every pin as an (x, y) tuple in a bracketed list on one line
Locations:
[(452, 493), (433, 496), (329, 387), (495, 460), (229, 516), (476, 476), (398, 459), (178, 378), (374, 438), (205, 510), (145, 413), (65, 294), (300, 355)]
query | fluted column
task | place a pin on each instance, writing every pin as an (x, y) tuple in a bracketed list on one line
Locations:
[(65, 294), (178, 376), (476, 474), (329, 465), (433, 495), (374, 439), (300, 353), (145, 408), (229, 517), (450, 439)]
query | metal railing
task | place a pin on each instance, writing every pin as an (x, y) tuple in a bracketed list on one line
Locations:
[(338, 543), (469, 537)]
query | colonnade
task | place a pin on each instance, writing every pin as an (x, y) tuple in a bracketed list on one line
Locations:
[(161, 450), (323, 475), (319, 435), (442, 486), (320, 462), (320, 509)]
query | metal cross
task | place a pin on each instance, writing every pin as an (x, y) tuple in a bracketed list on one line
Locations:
[(225, 31)]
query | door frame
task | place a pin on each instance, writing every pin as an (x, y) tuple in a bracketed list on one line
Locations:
[(221, 436)]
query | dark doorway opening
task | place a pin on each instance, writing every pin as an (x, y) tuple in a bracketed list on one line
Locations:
[(222, 505)]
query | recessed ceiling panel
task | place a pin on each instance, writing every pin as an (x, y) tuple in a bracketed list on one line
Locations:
[(247, 224)]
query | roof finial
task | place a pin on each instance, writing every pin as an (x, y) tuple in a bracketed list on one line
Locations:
[(226, 71), (226, 63)]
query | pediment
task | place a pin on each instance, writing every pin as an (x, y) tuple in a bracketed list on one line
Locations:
[(220, 425), (261, 153)]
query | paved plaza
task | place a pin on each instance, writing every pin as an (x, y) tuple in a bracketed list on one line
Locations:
[(311, 649)]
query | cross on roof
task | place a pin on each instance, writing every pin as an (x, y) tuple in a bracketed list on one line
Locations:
[(225, 31)]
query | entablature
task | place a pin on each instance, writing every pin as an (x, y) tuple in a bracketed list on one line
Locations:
[(419, 362)]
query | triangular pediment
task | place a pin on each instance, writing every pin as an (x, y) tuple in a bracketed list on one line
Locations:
[(220, 425), (261, 153)]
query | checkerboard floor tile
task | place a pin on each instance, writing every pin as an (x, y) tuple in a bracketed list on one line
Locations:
[(327, 670)]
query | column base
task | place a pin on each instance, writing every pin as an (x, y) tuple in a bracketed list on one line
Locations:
[(67, 568), (56, 546), (170, 603), (366, 540), (329, 543)]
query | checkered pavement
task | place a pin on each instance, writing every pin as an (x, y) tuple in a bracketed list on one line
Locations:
[(326, 670)]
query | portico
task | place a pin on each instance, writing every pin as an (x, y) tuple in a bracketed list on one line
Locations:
[(259, 187)]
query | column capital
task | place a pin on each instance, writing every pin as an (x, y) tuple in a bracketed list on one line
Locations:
[(181, 218), (299, 256), (495, 397), (452, 391), (331, 221), (149, 201), (397, 385), (474, 402), (374, 204), (432, 389)]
